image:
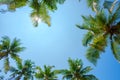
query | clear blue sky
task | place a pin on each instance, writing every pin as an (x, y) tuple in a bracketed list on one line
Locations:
[(53, 45)]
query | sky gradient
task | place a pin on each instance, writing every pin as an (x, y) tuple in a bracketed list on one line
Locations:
[(54, 45)]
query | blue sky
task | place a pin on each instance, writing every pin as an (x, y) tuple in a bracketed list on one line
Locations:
[(54, 45)]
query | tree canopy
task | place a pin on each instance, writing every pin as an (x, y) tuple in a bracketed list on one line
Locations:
[(102, 28), (40, 8)]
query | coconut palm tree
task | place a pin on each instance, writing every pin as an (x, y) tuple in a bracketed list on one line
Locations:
[(39, 13), (24, 72), (76, 71), (47, 73), (103, 28), (9, 49), (41, 9), (13, 4)]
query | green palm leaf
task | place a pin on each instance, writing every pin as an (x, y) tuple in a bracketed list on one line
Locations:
[(87, 38), (6, 65), (89, 77), (115, 49), (15, 46), (86, 70), (76, 71), (17, 59), (93, 55)]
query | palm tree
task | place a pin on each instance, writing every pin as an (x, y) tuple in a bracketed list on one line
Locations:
[(26, 71), (41, 9), (77, 72), (13, 4), (10, 49), (47, 73), (102, 28), (39, 13)]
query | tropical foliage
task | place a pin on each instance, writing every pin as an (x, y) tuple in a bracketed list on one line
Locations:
[(40, 8), (9, 49), (102, 28), (47, 73), (93, 4), (24, 72), (76, 71)]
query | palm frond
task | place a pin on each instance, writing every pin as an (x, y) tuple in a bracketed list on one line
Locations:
[(87, 38), (12, 5), (115, 16), (39, 74), (93, 55), (15, 46), (18, 60), (5, 43), (86, 70), (6, 65), (110, 5), (83, 27), (75, 64), (66, 74), (40, 14), (93, 4), (99, 43), (115, 49), (89, 77), (101, 19), (52, 4)]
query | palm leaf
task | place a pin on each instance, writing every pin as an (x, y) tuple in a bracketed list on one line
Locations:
[(110, 5), (39, 73), (5, 43), (90, 2), (89, 77), (115, 49), (115, 16), (67, 74), (52, 4), (17, 59), (87, 38), (15, 46), (6, 65), (86, 70), (93, 4), (93, 55), (83, 27), (99, 42)]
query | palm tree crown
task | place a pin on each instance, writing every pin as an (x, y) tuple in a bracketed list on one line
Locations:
[(47, 73), (103, 27), (76, 71), (10, 49), (26, 72)]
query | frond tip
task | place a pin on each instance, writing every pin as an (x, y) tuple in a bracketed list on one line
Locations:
[(116, 50), (93, 55), (87, 38)]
